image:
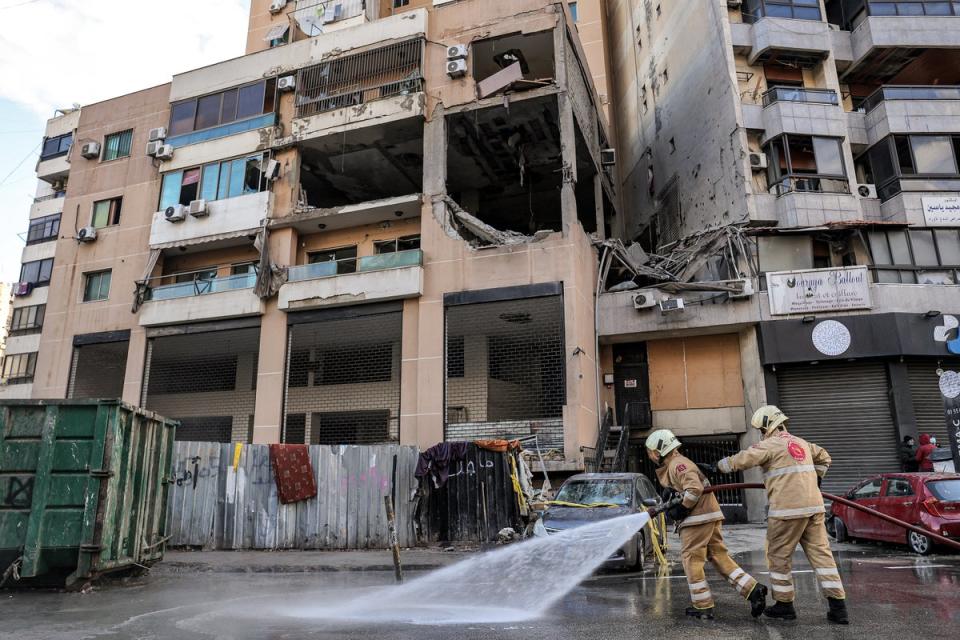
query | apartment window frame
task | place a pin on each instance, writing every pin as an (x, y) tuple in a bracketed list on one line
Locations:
[(124, 144), (44, 229), (44, 272), (62, 146), (897, 152), (399, 4), (112, 211), (228, 111), (345, 263), (754, 10), (918, 8), (898, 263), (18, 368), (94, 289), (27, 320), (787, 180), (214, 180), (396, 245)]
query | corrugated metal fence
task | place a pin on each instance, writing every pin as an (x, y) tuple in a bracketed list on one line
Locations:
[(224, 501)]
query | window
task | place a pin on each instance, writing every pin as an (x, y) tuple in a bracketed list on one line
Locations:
[(805, 163), (407, 243), (916, 256), (345, 257), (44, 229), (37, 272), (753, 10), (117, 145), (56, 146), (914, 8), (223, 108), (898, 488), (573, 11), (400, 3), (106, 212), (18, 368), (243, 268), (96, 286), (214, 181), (934, 154), (915, 157), (27, 319), (868, 490)]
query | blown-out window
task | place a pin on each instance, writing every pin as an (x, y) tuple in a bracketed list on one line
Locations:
[(213, 181)]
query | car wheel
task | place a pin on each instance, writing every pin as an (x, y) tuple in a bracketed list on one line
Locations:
[(920, 544), (840, 530), (641, 552)]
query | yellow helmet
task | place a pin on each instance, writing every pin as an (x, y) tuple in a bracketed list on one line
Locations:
[(768, 418), (662, 441)]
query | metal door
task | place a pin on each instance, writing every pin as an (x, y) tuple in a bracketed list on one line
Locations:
[(844, 407), (632, 385)]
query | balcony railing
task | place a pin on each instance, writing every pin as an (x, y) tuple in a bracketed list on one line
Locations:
[(799, 94), (51, 196), (202, 286), (918, 92), (382, 262), (810, 184), (396, 69)]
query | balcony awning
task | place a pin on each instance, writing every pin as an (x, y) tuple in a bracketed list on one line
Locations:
[(216, 237), (277, 32)]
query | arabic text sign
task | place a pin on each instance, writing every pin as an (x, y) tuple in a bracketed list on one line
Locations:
[(814, 290), (941, 211)]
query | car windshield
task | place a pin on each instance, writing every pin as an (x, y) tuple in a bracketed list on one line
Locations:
[(945, 490), (595, 492)]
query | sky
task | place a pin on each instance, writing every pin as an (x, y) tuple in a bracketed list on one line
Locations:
[(84, 51)]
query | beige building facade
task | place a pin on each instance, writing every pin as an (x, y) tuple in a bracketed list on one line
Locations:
[(380, 224)]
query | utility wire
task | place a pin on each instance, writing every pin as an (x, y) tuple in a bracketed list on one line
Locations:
[(20, 164)]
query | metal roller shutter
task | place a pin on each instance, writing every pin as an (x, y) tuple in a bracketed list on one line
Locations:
[(844, 407), (927, 401)]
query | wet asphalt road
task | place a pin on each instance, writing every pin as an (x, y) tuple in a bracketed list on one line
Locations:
[(891, 594)]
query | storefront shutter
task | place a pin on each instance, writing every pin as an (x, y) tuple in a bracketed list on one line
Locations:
[(927, 401), (843, 407)]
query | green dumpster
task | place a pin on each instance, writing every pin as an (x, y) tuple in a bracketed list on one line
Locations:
[(83, 488)]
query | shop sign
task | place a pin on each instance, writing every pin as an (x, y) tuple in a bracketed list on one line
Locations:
[(941, 211), (815, 290)]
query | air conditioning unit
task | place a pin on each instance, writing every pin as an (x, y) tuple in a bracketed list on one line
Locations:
[(153, 147), (745, 286), (164, 152), (456, 68), (457, 52), (22, 289), (758, 161), (175, 213), (87, 234), (198, 208), (90, 150), (644, 299), (867, 190), (608, 157), (287, 83), (58, 185), (160, 133), (272, 170), (671, 304), (277, 6)]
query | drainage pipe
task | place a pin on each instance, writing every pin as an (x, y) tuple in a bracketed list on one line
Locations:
[(853, 505)]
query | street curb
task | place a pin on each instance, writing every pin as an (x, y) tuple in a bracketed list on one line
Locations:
[(183, 567)]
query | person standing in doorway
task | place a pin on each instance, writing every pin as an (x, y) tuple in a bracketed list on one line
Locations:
[(923, 453), (699, 518), (792, 471), (908, 455)]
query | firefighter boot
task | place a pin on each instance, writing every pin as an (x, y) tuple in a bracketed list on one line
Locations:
[(781, 611), (701, 614), (838, 611), (758, 600)]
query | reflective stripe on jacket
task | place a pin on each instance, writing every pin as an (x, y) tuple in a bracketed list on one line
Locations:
[(684, 477), (791, 466)]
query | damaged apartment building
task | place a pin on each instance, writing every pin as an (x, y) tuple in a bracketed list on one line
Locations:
[(792, 188), (378, 225)]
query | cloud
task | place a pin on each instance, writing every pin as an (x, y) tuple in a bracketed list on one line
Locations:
[(54, 53)]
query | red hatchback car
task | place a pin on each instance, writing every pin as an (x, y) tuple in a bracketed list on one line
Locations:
[(928, 500)]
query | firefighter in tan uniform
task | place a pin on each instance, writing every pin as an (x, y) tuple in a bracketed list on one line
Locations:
[(792, 470), (699, 521)]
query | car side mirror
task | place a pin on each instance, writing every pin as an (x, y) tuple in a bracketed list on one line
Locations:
[(650, 502)]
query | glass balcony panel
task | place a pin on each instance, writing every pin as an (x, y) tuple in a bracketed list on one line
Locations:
[(202, 287)]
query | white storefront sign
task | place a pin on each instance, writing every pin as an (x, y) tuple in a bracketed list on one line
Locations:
[(941, 211), (814, 290)]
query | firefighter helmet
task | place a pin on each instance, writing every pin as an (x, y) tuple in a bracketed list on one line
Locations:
[(768, 418), (662, 441)]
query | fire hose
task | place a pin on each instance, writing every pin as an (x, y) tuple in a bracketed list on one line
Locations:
[(853, 505)]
